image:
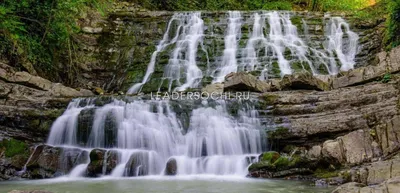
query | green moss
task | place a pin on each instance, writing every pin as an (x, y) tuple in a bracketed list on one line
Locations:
[(270, 98), (297, 21), (275, 69), (282, 163), (270, 156), (261, 165), (14, 147), (279, 133), (323, 173)]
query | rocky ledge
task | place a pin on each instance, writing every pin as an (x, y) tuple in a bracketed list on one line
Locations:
[(29, 104), (344, 128)]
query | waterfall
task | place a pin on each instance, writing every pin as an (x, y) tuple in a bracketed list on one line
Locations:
[(229, 61), (336, 42), (269, 44), (147, 134), (189, 35)]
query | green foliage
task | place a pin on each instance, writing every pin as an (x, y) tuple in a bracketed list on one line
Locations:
[(324, 173), (386, 78), (13, 147), (278, 5), (392, 38), (39, 32), (346, 5), (316, 5)]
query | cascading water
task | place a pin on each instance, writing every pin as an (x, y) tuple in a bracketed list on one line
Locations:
[(160, 47), (183, 57), (147, 135), (229, 61), (268, 44), (336, 41)]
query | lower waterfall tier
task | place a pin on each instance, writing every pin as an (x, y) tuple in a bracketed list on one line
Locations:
[(154, 137)]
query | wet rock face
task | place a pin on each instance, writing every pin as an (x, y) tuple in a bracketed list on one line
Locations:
[(171, 168)]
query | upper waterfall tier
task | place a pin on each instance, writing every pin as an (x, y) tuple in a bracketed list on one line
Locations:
[(201, 137), (197, 49)]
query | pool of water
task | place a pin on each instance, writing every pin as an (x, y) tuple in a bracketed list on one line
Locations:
[(162, 184)]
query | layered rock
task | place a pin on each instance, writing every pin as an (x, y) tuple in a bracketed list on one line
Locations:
[(29, 104), (390, 186)]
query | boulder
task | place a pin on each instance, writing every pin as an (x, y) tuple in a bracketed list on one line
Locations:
[(171, 168), (138, 164), (44, 162), (242, 81), (60, 90), (304, 81), (332, 150), (315, 152), (98, 158), (357, 147), (48, 162), (95, 167), (213, 88)]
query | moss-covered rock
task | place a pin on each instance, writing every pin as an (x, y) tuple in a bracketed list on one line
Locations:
[(13, 147), (95, 167), (270, 156), (274, 165)]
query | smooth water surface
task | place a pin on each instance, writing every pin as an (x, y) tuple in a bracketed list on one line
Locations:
[(150, 184)]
